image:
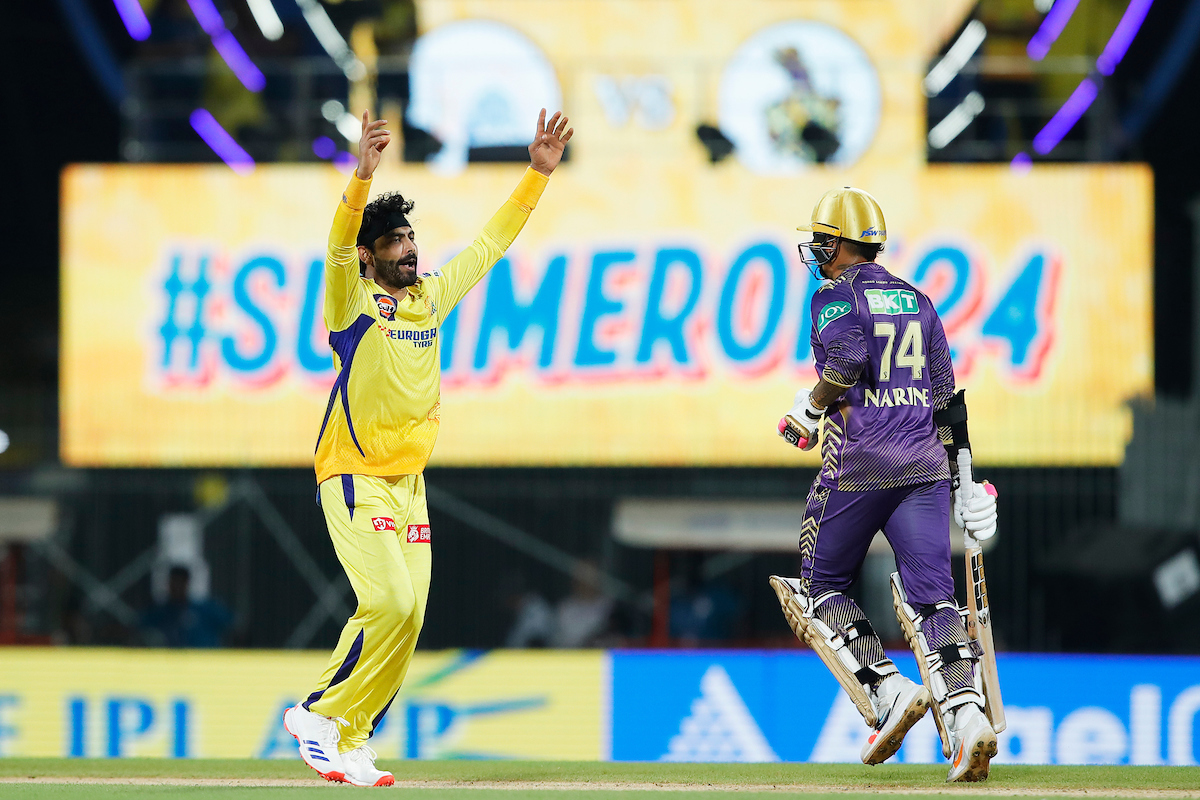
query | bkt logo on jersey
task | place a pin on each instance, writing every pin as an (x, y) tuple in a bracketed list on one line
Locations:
[(418, 534), (383, 523), (891, 301), (387, 306)]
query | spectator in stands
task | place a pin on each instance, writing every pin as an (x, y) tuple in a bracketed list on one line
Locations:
[(182, 621), (583, 618)]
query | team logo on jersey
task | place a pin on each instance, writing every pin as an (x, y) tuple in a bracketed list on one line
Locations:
[(387, 306), (891, 301), (383, 523), (831, 312), (418, 534)]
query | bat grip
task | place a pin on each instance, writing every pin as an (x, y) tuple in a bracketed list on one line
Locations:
[(966, 485)]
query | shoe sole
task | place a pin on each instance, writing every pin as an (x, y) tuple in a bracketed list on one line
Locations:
[(333, 776), (891, 743), (982, 751), (386, 780)]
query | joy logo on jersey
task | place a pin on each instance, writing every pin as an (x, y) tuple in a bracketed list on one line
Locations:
[(387, 306), (383, 523), (831, 312), (891, 301), (418, 534)]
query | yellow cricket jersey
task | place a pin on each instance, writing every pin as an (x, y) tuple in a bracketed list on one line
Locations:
[(383, 412)]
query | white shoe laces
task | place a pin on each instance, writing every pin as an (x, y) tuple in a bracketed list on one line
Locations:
[(363, 752), (329, 727)]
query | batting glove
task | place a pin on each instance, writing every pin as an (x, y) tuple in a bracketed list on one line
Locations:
[(800, 426), (975, 509)]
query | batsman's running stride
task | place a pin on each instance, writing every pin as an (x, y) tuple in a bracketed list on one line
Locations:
[(383, 314), (886, 387)]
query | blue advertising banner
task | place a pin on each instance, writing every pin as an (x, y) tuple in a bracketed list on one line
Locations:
[(756, 706)]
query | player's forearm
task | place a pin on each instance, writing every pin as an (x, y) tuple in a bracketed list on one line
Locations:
[(341, 255), (826, 392), (506, 223), (348, 217)]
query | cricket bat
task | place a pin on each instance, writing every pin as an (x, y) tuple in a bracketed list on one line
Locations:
[(979, 614)]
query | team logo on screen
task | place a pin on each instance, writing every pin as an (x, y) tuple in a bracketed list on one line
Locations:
[(383, 523), (387, 306), (418, 534), (799, 93)]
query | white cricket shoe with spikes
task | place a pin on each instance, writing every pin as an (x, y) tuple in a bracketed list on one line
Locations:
[(973, 744), (361, 771), (318, 738), (899, 704)]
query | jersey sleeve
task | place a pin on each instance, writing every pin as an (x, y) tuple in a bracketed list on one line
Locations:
[(837, 326), (345, 294), (468, 267), (941, 367)]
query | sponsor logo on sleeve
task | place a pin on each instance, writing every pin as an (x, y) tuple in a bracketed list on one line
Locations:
[(387, 306), (891, 301), (831, 312), (383, 523), (418, 534)]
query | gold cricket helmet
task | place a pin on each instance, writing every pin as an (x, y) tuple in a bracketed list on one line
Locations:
[(848, 213)]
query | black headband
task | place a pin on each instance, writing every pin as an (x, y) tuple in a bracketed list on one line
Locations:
[(367, 234)]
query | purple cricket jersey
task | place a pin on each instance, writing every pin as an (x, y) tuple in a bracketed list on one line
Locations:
[(882, 338)]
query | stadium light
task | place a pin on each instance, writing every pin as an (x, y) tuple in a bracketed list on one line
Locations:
[(956, 58), (3, 441), (1122, 37), (333, 43), (956, 121), (1050, 29), (229, 48), (216, 137), (266, 19), (134, 19)]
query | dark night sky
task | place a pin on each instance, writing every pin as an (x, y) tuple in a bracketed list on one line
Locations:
[(54, 113)]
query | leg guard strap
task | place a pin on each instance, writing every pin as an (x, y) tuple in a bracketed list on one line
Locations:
[(934, 657), (830, 639)]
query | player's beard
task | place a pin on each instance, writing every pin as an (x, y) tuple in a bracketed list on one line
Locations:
[(398, 273)]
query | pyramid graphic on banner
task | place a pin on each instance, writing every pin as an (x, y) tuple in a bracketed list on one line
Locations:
[(720, 727)]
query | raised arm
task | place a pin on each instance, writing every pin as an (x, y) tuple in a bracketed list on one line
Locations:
[(344, 292), (468, 267)]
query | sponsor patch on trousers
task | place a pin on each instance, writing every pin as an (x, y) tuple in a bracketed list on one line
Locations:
[(383, 523), (418, 534)]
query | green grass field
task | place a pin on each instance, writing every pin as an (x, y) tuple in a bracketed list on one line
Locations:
[(34, 779)]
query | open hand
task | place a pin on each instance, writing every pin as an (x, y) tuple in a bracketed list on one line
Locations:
[(546, 149), (370, 145)]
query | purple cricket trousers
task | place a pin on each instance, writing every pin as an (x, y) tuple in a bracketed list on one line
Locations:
[(839, 525)]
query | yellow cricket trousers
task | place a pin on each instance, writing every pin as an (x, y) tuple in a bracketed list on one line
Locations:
[(380, 530)]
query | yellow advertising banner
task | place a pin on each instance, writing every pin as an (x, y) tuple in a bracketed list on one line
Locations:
[(659, 316), (654, 310), (228, 704)]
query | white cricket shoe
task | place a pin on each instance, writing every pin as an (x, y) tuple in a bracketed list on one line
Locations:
[(899, 704), (318, 738), (360, 768), (973, 744)]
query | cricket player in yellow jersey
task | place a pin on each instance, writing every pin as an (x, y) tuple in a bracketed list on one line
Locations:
[(383, 314)]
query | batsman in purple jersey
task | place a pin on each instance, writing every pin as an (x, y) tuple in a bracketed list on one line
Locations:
[(885, 371)]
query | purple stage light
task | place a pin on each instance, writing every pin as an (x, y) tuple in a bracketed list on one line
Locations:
[(1052, 25), (1021, 163), (345, 161), (1079, 101), (221, 142), (134, 18), (324, 147), (227, 46), (1127, 28)]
